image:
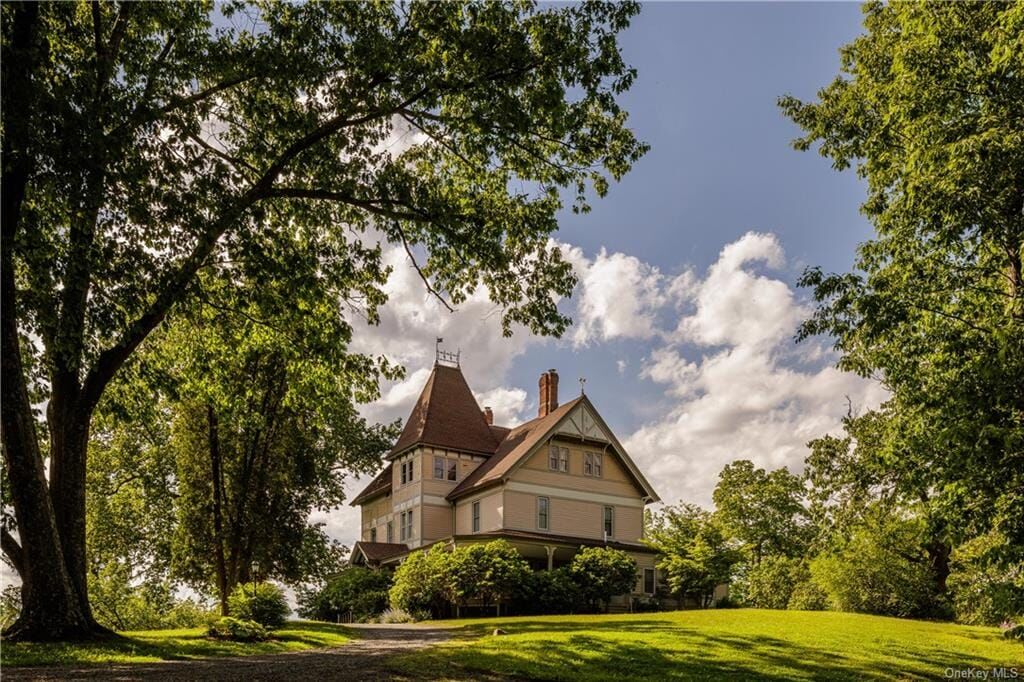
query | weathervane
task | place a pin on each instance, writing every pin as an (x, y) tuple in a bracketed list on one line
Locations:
[(444, 356), (583, 380)]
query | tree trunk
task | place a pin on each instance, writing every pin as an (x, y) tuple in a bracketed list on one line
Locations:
[(218, 522), (938, 558)]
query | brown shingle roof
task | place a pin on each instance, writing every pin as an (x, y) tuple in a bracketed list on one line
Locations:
[(448, 416), (380, 484), (517, 443), (379, 551)]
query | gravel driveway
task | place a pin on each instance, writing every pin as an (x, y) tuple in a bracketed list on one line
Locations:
[(361, 659)]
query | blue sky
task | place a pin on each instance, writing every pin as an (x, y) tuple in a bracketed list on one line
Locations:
[(686, 308)]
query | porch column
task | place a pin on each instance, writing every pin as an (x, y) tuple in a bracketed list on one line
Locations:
[(551, 556)]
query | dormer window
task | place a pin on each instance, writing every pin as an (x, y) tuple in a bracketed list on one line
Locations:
[(558, 458), (592, 464)]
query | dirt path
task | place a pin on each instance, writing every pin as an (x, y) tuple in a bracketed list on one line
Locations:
[(366, 658)]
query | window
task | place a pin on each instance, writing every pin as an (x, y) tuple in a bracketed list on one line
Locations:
[(558, 460), (649, 581), (407, 472), (592, 464), (609, 522), (405, 521), (476, 517), (542, 513), (373, 535), (446, 469), (391, 531), (402, 479)]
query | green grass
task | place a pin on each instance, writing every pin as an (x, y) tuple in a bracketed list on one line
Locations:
[(744, 643), (171, 645)]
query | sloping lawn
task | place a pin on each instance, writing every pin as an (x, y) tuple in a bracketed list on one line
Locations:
[(172, 645), (781, 645)]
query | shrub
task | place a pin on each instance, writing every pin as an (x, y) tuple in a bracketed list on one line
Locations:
[(396, 616), (263, 602), (602, 573), (237, 629), (770, 583), (490, 573), (726, 602), (549, 592), (645, 605), (418, 584), (807, 596), (357, 593), (1013, 631)]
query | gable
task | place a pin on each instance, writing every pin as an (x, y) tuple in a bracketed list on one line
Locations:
[(581, 424)]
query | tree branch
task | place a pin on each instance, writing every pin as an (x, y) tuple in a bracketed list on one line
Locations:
[(13, 551)]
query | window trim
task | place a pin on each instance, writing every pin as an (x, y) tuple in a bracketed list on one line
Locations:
[(608, 520), (475, 515), (654, 581), (439, 460), (391, 532), (448, 466), (594, 461), (452, 470), (559, 457), (544, 502)]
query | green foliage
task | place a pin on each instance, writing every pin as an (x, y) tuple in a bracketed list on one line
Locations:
[(150, 605), (880, 570), (807, 596), (489, 572), (263, 602), (601, 573), (770, 584), (549, 592), (763, 510), (419, 582), (10, 605), (985, 589), (928, 108), (237, 629), (277, 157), (1015, 632), (695, 553), (355, 593)]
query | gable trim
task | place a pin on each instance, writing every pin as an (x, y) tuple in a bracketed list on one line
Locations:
[(552, 431)]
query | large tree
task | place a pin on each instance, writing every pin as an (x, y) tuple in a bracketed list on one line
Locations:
[(930, 109), (762, 509), (144, 142)]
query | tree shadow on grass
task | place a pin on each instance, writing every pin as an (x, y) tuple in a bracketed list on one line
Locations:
[(661, 649)]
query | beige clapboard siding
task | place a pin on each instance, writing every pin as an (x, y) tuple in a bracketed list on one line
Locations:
[(572, 517), (436, 522), (491, 513), (614, 479)]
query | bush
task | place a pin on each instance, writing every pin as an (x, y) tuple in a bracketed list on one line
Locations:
[(807, 596), (1014, 631), (418, 584), (356, 593), (602, 573), (646, 605), (396, 616), (263, 602), (237, 629), (490, 573), (769, 584), (548, 592)]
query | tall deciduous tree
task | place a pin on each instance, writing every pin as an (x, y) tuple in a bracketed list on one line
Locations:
[(930, 108), (142, 143), (763, 510)]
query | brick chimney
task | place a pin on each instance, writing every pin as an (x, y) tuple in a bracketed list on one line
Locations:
[(548, 393), (488, 415)]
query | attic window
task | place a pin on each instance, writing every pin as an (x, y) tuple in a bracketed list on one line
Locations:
[(407, 472), (592, 464), (558, 459)]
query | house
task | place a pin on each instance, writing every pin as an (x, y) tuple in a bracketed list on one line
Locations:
[(549, 486)]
